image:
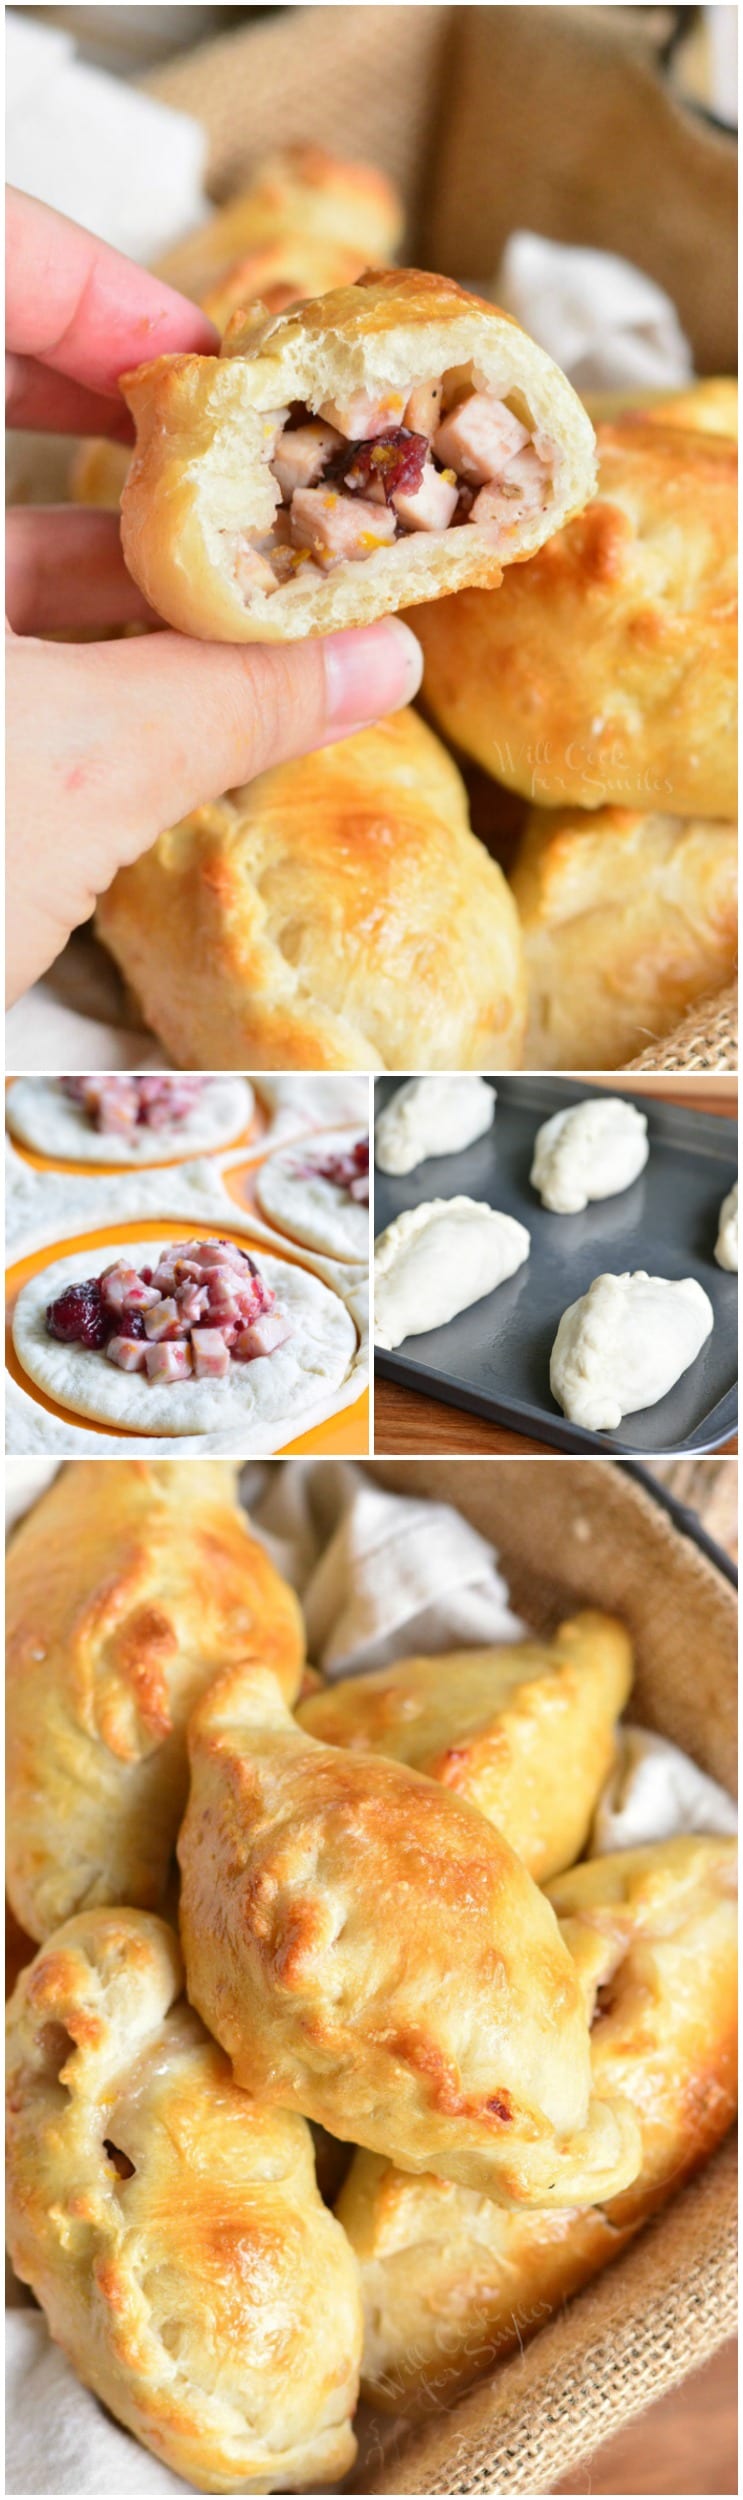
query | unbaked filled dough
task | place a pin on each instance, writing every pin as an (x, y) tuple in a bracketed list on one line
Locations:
[(432, 1115), (592, 1150), (726, 1246), (436, 1260), (624, 1344)]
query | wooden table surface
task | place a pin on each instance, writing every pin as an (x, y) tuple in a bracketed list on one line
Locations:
[(407, 1424), (687, 2443)]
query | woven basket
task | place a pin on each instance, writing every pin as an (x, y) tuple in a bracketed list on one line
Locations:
[(601, 1539), (435, 96)]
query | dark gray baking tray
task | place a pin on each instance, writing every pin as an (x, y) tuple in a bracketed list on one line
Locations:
[(494, 1358)]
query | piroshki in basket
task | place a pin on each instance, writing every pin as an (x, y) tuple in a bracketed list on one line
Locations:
[(588, 1533)]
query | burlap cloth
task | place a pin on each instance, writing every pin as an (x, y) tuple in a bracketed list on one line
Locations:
[(436, 96), (599, 1538)]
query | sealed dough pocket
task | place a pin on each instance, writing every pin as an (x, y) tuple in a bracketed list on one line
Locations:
[(377, 446), (435, 1260)]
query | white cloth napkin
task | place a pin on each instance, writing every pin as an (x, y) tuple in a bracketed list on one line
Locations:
[(380, 1575), (57, 2436), (607, 324), (655, 1792), (98, 149)]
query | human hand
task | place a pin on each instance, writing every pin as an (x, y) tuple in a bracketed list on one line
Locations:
[(109, 742)]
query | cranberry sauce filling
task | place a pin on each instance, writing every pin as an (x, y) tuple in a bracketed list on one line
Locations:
[(394, 461), (115, 1105), (348, 1169), (204, 1307)]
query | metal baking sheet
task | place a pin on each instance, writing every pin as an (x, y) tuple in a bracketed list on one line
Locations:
[(494, 1358)]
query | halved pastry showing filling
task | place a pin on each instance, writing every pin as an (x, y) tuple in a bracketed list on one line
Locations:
[(374, 447)]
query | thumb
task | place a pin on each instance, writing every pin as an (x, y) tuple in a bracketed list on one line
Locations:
[(192, 719)]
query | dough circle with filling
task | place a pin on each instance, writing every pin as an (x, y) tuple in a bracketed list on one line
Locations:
[(44, 1118), (294, 1194), (254, 1396)]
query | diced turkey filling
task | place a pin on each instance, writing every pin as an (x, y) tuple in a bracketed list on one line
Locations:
[(366, 470), (116, 1104), (203, 1307), (348, 1170)]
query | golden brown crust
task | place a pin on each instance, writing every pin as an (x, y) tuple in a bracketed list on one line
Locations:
[(171, 2229), (128, 1587), (605, 669), (200, 486), (337, 913), (452, 2284), (526, 1732), (626, 920), (448, 2031), (275, 273), (707, 407), (302, 192)]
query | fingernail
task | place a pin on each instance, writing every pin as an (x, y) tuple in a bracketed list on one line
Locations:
[(370, 672)]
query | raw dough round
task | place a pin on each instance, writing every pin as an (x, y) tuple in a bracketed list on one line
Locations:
[(46, 1120), (253, 1396), (313, 1210)]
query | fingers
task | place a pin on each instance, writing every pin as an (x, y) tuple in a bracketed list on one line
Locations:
[(48, 403), (76, 305), (65, 569), (195, 719)]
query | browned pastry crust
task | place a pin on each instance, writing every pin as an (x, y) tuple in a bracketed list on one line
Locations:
[(709, 406), (369, 1950), (275, 273), (170, 2227), (605, 670), (128, 1586), (336, 913), (525, 1732), (452, 2284), (201, 502), (626, 920), (326, 201)]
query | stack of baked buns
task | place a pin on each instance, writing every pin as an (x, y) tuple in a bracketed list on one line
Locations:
[(370, 440), (390, 1934)]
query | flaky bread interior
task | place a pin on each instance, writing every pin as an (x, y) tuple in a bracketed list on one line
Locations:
[(201, 492)]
